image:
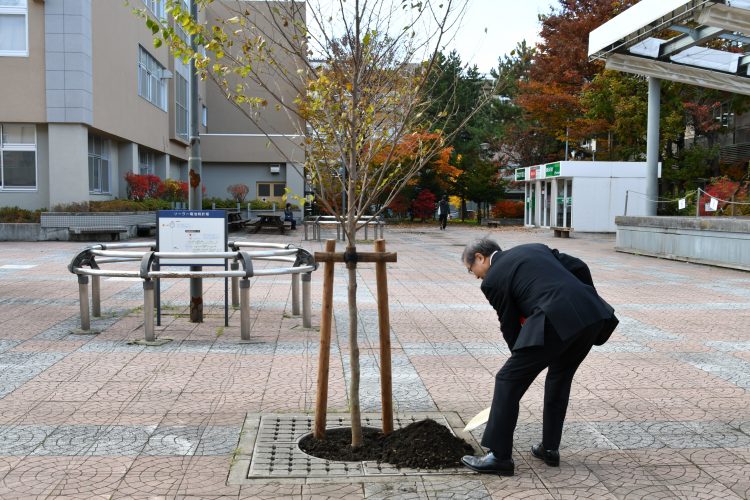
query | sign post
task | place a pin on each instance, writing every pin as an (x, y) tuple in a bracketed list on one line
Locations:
[(193, 231)]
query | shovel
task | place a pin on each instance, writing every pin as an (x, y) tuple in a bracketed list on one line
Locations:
[(479, 419)]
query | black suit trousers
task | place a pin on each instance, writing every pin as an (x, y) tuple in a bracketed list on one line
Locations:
[(517, 374)]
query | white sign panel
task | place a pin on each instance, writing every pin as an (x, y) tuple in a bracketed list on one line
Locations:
[(193, 231), (681, 203), (714, 204)]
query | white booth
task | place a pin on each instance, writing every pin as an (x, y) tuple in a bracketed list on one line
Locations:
[(584, 195)]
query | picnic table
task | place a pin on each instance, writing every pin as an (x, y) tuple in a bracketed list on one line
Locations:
[(269, 221)]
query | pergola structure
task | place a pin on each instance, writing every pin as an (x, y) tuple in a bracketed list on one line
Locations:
[(630, 42)]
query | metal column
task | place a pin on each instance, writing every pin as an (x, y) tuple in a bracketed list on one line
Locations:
[(652, 144), (295, 294), (306, 301)]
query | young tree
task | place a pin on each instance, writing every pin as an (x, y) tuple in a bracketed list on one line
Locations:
[(359, 72)]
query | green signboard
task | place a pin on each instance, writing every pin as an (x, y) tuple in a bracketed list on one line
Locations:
[(520, 174), (552, 169)]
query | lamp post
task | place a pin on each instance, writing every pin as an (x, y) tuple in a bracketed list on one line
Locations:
[(195, 174)]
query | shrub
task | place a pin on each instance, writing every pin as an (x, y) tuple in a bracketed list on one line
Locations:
[(400, 205), (257, 204), (141, 187), (15, 215), (723, 188), (219, 202), (238, 192), (424, 204), (173, 190), (129, 205), (71, 207), (508, 209)]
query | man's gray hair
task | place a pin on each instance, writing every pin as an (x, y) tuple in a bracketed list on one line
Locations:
[(484, 246)]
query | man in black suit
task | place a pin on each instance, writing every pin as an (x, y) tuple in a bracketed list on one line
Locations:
[(550, 316)]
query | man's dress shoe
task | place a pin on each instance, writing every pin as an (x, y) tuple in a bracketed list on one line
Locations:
[(489, 464), (550, 457)]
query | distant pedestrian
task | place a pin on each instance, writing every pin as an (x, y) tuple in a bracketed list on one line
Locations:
[(443, 209)]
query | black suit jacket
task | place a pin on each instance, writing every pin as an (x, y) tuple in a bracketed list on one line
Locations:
[(545, 287)]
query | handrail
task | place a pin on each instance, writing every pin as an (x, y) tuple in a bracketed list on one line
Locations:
[(86, 263)]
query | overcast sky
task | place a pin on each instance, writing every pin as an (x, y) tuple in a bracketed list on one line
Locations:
[(507, 22), (489, 28)]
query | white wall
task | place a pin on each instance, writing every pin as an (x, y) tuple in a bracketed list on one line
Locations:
[(598, 200), (68, 163)]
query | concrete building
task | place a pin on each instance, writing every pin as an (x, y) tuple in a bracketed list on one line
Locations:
[(584, 195), (87, 98)]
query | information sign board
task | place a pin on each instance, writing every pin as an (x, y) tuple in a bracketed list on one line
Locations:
[(191, 231)]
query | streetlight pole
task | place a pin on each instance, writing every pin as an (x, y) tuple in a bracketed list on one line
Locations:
[(195, 173)]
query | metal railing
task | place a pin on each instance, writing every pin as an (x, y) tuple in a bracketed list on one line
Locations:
[(86, 264), (365, 221)]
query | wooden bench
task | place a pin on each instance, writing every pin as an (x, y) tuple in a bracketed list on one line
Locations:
[(561, 232), (493, 222), (113, 231)]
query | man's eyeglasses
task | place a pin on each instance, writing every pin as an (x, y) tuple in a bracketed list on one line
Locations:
[(469, 269)]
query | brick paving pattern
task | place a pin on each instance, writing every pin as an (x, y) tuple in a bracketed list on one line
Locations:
[(660, 411)]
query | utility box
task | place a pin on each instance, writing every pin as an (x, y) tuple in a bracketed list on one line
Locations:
[(583, 195)]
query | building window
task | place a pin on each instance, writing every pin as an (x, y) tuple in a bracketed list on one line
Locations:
[(17, 156), (150, 83), (146, 162), (271, 191), (181, 107), (98, 165), (155, 6), (14, 28)]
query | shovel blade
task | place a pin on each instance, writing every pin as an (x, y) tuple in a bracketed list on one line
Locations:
[(479, 419)]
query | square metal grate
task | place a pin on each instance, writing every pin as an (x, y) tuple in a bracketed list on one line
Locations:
[(275, 452)]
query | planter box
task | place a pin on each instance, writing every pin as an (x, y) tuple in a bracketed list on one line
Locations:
[(717, 241), (79, 226)]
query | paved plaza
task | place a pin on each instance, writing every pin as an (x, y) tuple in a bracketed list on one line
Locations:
[(660, 411)]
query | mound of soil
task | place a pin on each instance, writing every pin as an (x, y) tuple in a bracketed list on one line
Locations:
[(425, 444)]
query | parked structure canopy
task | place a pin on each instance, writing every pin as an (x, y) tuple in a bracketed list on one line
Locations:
[(634, 42)]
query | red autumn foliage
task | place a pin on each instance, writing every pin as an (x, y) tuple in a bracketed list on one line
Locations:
[(424, 204), (722, 188), (141, 187), (507, 209), (173, 190), (238, 192), (148, 186), (400, 204), (562, 68), (412, 147)]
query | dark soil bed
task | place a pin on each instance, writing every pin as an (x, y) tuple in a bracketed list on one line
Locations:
[(425, 444)]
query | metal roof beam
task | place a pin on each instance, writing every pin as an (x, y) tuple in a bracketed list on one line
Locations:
[(691, 39), (639, 22), (679, 73), (728, 18)]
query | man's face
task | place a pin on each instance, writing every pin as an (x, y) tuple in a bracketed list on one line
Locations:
[(480, 266)]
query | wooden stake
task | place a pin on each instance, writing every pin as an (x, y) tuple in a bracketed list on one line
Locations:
[(384, 328), (321, 401)]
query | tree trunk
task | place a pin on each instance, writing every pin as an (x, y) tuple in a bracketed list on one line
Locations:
[(354, 354)]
